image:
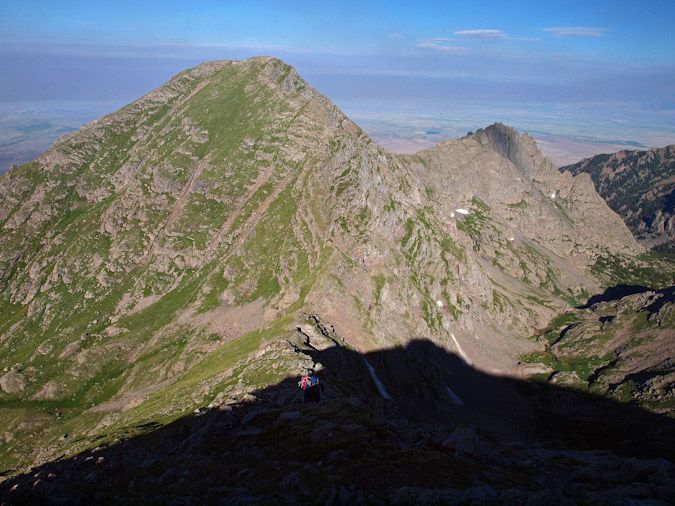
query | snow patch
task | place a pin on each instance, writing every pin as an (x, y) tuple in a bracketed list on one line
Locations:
[(378, 383), (439, 303), (553, 195), (461, 211), (455, 398), (511, 238), (463, 356)]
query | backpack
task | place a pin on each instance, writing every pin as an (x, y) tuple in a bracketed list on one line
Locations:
[(308, 382)]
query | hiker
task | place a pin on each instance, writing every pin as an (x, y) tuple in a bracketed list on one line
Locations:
[(312, 386)]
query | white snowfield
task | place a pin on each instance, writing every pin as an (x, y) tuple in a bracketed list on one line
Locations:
[(462, 211), (439, 303)]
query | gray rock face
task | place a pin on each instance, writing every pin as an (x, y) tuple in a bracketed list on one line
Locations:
[(521, 151)]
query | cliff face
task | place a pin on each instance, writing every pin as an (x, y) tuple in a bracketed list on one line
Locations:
[(151, 259), (637, 185)]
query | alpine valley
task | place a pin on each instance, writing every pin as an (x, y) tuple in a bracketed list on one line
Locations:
[(488, 330)]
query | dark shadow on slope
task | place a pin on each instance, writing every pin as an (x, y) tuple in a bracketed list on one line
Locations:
[(269, 448), (419, 376), (667, 295), (614, 293), (663, 296)]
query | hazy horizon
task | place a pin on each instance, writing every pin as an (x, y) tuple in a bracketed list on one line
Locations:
[(580, 77), (27, 129)]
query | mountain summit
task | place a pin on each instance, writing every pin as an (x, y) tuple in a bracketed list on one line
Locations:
[(153, 261)]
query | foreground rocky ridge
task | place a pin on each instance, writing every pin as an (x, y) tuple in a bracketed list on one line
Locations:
[(354, 447), (150, 259)]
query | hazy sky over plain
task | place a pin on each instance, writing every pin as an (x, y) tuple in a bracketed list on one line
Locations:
[(570, 53)]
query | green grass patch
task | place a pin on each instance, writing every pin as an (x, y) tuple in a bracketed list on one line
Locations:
[(379, 280), (651, 270), (520, 205)]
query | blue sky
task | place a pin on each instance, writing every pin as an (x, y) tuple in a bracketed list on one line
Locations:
[(560, 53)]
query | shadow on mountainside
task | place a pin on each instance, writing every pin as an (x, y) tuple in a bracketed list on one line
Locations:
[(449, 434), (618, 292), (614, 293), (668, 295)]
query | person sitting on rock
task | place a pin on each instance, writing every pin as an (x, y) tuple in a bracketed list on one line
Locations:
[(312, 386)]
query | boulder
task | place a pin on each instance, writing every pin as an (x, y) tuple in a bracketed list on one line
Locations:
[(12, 382)]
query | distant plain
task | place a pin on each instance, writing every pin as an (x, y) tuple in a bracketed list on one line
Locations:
[(566, 134), (27, 129)]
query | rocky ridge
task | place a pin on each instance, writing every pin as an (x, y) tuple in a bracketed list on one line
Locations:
[(638, 185), (355, 447)]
